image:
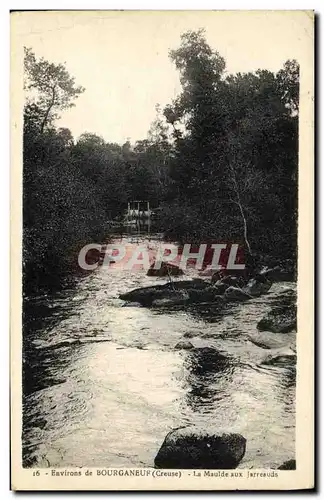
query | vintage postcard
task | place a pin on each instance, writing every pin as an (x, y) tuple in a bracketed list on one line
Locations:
[(162, 331)]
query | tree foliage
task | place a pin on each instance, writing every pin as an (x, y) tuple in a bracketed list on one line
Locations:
[(236, 150), (50, 88), (220, 161)]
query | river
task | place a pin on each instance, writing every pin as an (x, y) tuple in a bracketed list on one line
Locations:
[(103, 383)]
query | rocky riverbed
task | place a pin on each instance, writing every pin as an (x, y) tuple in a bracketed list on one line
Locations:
[(104, 382)]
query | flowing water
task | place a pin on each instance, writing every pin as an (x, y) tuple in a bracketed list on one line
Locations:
[(103, 383)]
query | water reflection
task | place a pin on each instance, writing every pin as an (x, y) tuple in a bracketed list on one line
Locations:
[(211, 313), (205, 368)]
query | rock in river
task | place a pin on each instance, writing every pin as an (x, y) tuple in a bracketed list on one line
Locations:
[(288, 465), (279, 320), (282, 360), (147, 295), (258, 286), (195, 448), (279, 274), (184, 345), (166, 269), (234, 294)]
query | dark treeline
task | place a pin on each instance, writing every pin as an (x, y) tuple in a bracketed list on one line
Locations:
[(220, 163)]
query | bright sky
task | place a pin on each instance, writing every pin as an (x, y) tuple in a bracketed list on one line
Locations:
[(121, 58)]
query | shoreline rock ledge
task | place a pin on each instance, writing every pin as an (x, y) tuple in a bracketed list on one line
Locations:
[(195, 448)]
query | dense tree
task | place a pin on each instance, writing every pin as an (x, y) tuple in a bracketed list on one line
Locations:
[(234, 170), (50, 88), (61, 207), (220, 161)]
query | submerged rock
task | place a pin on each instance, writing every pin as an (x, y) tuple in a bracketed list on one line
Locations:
[(166, 269), (288, 465), (279, 320), (281, 360), (184, 345), (259, 343), (266, 340), (190, 335), (194, 448), (206, 362)]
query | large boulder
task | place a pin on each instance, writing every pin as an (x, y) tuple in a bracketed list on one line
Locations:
[(166, 269), (147, 295), (279, 320), (171, 293), (233, 294), (195, 448)]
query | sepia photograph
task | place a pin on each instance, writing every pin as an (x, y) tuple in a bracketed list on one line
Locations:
[(160, 194)]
